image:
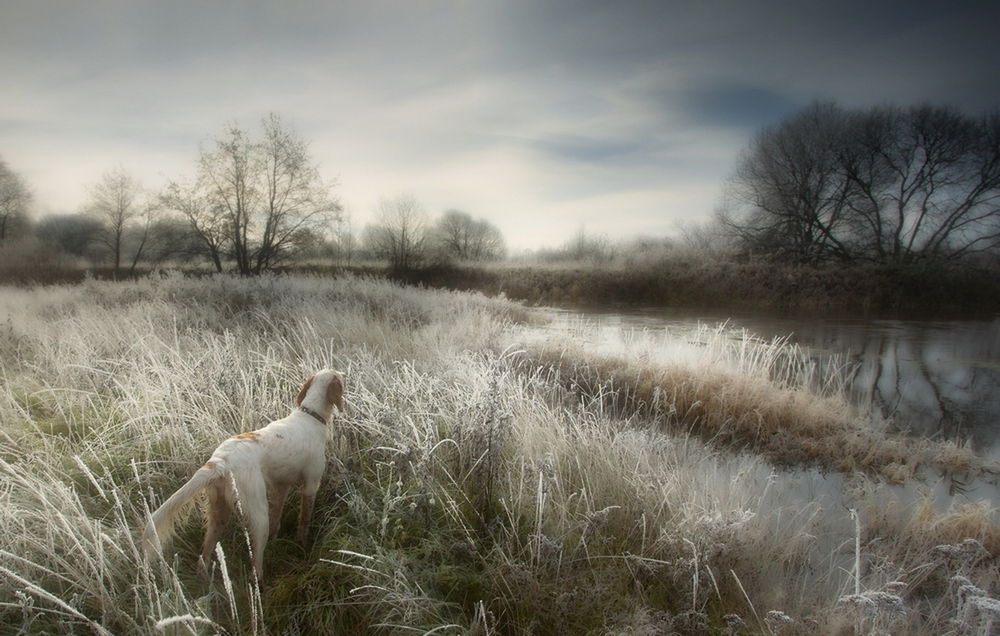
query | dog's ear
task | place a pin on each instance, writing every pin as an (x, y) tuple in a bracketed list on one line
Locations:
[(335, 392), (305, 388)]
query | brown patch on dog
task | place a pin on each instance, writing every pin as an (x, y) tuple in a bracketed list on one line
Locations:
[(209, 465), (252, 436), (335, 392), (279, 436), (305, 388)]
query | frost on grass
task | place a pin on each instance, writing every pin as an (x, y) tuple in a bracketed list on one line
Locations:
[(874, 603), (968, 550), (468, 489), (977, 612), (777, 618)]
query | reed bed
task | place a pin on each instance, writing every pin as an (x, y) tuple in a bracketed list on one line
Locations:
[(736, 390), (469, 490)]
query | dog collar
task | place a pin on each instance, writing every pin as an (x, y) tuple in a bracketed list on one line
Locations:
[(309, 411)]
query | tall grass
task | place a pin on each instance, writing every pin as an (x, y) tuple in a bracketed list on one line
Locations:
[(469, 490)]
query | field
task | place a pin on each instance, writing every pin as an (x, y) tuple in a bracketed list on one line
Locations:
[(486, 479)]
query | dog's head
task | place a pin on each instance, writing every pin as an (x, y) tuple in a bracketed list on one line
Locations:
[(326, 388)]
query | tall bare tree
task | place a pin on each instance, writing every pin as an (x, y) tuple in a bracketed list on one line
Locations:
[(937, 179), (15, 197), (267, 193), (399, 233), (139, 236), (116, 200), (461, 237), (229, 174)]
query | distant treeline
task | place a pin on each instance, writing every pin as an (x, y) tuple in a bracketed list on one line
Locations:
[(884, 209)]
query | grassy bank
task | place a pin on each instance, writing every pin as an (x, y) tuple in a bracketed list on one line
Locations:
[(477, 484), (739, 392)]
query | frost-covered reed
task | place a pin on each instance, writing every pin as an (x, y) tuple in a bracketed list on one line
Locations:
[(470, 490), (735, 389)]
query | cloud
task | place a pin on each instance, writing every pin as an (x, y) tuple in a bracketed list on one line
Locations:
[(541, 116), (740, 106), (588, 149)]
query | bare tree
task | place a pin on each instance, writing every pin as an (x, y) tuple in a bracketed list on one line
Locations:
[(267, 193), (400, 232), (15, 197), (886, 184), (116, 200), (229, 174), (171, 237), (207, 222), (587, 247), (297, 200), (461, 237), (140, 233), (786, 188), (346, 241)]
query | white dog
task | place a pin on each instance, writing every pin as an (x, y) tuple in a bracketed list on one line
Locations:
[(257, 469)]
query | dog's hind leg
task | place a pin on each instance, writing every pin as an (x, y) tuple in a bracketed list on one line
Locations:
[(276, 502), (257, 526), (306, 503), (216, 519), (253, 500)]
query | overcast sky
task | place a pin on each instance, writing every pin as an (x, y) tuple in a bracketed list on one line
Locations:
[(620, 117)]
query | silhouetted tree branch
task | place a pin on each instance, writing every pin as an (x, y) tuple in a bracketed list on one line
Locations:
[(885, 184)]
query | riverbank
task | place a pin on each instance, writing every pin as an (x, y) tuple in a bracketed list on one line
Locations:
[(857, 289)]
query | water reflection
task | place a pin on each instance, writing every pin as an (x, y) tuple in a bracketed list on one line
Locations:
[(935, 379)]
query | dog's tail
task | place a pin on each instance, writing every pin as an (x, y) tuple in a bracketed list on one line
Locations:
[(159, 531)]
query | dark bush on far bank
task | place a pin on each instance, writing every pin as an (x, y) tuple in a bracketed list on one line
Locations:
[(857, 288)]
